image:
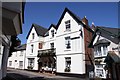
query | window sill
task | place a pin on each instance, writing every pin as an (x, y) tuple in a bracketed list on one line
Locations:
[(67, 50), (67, 30), (51, 37)]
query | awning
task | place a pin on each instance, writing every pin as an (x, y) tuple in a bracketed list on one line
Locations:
[(47, 52)]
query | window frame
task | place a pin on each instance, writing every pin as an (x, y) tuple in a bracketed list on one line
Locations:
[(10, 63), (67, 64), (31, 62), (68, 42), (52, 33), (52, 45), (105, 50), (20, 62), (40, 45), (68, 25), (32, 48), (33, 35)]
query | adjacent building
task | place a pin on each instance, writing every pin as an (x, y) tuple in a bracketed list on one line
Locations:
[(17, 59), (12, 18), (106, 44)]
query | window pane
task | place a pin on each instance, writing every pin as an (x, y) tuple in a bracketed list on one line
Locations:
[(104, 50), (40, 45), (20, 64), (52, 45), (33, 35), (67, 42), (99, 72), (52, 33), (67, 63), (67, 24), (31, 48), (99, 51)]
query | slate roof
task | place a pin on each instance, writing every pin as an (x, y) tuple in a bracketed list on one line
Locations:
[(102, 41), (39, 30), (21, 47), (52, 25), (78, 20), (111, 34), (113, 31), (113, 56)]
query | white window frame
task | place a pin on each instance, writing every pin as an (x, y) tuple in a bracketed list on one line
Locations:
[(68, 25), (10, 63), (68, 65), (52, 33), (32, 47), (67, 42), (105, 50), (99, 73), (52, 45), (33, 35), (20, 64), (31, 62)]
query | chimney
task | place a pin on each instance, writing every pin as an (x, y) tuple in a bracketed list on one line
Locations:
[(93, 26), (85, 21)]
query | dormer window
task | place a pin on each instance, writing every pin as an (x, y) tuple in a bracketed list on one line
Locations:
[(68, 25), (33, 35), (52, 33)]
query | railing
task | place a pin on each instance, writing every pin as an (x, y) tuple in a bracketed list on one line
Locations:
[(47, 52)]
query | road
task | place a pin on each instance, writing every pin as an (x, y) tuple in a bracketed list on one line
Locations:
[(13, 74)]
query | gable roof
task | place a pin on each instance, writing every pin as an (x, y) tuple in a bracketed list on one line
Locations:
[(39, 30), (21, 47), (111, 34), (77, 19), (102, 41), (52, 25)]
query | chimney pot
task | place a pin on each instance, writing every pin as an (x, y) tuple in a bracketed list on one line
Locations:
[(85, 21), (93, 26)]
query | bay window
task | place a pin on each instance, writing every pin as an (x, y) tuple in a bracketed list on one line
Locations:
[(104, 50)]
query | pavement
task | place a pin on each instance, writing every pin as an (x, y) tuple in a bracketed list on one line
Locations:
[(14, 74)]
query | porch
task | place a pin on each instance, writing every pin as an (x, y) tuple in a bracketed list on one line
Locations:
[(47, 60)]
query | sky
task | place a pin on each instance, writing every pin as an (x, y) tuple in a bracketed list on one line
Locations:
[(46, 13)]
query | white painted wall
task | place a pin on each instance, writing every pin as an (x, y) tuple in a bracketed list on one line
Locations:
[(49, 39), (76, 52), (19, 56), (35, 43)]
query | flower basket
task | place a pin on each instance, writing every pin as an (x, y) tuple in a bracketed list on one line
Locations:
[(30, 67), (67, 69)]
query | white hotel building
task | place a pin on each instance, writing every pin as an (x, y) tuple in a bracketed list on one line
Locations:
[(62, 48)]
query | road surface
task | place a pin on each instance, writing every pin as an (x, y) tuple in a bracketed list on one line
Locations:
[(14, 74)]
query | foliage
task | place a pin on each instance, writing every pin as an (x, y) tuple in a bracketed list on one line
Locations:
[(30, 67), (67, 69)]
